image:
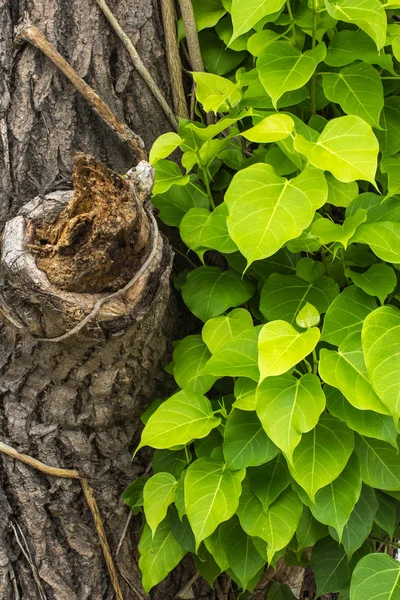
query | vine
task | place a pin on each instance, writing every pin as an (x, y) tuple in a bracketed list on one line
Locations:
[(281, 439)]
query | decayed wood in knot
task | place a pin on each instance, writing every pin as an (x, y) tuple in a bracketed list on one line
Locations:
[(98, 239)]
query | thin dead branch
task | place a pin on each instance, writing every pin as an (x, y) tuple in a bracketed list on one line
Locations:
[(192, 37), (32, 35), (173, 58), (138, 63)]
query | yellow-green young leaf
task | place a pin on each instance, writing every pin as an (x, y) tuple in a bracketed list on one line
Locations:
[(211, 495), (283, 517), (322, 454), (246, 15), (271, 129), (281, 347), (167, 174), (347, 148), (346, 370), (368, 15), (190, 356), (268, 481), (339, 193), (214, 546), (310, 270), (327, 231), (158, 494), (391, 167), (308, 316), (346, 315), (283, 296), (282, 68), (245, 441), (359, 91), (216, 93), (381, 346), (389, 136), (203, 230), (180, 419), (158, 556), (288, 407), (376, 576), (245, 394), (380, 465), (379, 280), (244, 560), (260, 40), (383, 238), (283, 208), (208, 291), (365, 422), (396, 47), (252, 517), (348, 45), (237, 358), (220, 330), (164, 146)]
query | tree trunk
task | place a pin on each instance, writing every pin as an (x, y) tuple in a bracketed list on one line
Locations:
[(74, 404)]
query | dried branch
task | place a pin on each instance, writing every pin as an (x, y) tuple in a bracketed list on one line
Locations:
[(191, 34), (90, 499), (138, 63), (173, 58), (32, 35)]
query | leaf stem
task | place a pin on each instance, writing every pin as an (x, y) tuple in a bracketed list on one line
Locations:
[(375, 539), (290, 12), (315, 362)]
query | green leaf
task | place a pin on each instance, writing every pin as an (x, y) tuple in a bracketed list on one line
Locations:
[(164, 145), (380, 465), (190, 356), (245, 16), (346, 370), (281, 67), (368, 15), (283, 296), (386, 515), (364, 422), (207, 13), (322, 454), (331, 567), (348, 45), (308, 316), (288, 407), (383, 238), (214, 546), (328, 231), (310, 270), (360, 523), (390, 166), (244, 560), (167, 174), (202, 230), (168, 461), (347, 148), (252, 517), (381, 345), (217, 57), (346, 315), (216, 93), (271, 129), (180, 419), (220, 330), (309, 530), (177, 201), (260, 40), (158, 556), (376, 576), (211, 495), (358, 90), (389, 137), (379, 280), (237, 358), (340, 194), (281, 347), (245, 442), (258, 190), (133, 495), (283, 517), (181, 530), (208, 291), (158, 494), (245, 394), (207, 566), (279, 591), (268, 481)]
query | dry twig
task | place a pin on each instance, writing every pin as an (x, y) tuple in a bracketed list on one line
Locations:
[(173, 58), (138, 63), (191, 34), (32, 35)]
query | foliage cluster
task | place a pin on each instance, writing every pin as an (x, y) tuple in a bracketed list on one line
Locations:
[(282, 436)]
